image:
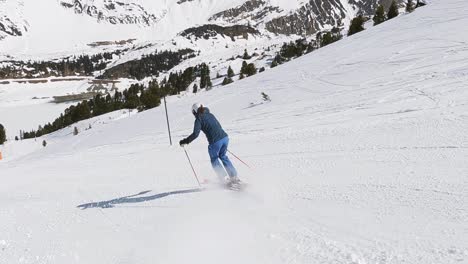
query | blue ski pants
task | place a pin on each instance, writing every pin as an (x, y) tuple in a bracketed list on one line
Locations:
[(217, 152)]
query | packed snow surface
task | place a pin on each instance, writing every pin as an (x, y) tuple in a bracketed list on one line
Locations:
[(360, 157)]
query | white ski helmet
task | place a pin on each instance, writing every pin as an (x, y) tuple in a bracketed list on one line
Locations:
[(195, 108)]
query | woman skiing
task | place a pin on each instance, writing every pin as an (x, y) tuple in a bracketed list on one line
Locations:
[(218, 142)]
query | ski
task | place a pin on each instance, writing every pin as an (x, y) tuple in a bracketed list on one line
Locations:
[(238, 186)]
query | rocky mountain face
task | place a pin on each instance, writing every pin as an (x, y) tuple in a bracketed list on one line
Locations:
[(317, 14), (253, 10), (114, 12), (189, 24), (8, 27), (11, 23), (305, 18)]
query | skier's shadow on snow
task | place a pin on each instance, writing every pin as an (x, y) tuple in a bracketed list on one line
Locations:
[(136, 198)]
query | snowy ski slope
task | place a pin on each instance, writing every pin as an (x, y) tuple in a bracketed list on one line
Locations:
[(360, 157)]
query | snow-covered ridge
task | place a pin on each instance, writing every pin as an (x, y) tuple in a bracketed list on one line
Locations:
[(253, 11), (77, 23), (114, 12)]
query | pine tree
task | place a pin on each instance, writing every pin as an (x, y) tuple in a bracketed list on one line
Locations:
[(2, 134), (357, 25), (393, 10), (205, 80), (244, 67), (230, 72), (149, 98), (241, 76), (409, 6), (329, 38), (251, 69), (379, 16), (246, 55), (227, 81), (248, 69), (419, 3), (274, 63)]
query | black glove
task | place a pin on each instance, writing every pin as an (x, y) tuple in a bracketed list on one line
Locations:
[(183, 142)]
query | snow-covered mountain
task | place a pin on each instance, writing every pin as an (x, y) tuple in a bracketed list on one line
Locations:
[(70, 25), (359, 157), (114, 12), (217, 31), (12, 23)]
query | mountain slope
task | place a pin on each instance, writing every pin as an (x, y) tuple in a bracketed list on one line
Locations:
[(11, 21), (132, 29), (360, 157), (77, 23)]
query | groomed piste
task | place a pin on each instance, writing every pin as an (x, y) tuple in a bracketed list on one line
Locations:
[(359, 157)]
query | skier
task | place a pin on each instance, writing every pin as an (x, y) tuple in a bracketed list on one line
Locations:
[(218, 143)]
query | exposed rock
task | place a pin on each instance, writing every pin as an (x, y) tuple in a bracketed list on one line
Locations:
[(9, 28), (316, 14), (368, 7), (254, 10), (113, 12)]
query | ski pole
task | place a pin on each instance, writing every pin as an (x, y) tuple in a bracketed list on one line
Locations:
[(239, 159), (191, 165)]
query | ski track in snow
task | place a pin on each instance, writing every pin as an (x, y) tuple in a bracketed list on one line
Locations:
[(360, 157)]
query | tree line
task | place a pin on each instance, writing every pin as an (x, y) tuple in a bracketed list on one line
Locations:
[(148, 65), (137, 96), (86, 65), (380, 16), (179, 81), (299, 47), (77, 65), (247, 70)]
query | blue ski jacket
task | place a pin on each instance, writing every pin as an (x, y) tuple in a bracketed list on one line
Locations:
[(207, 123)]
